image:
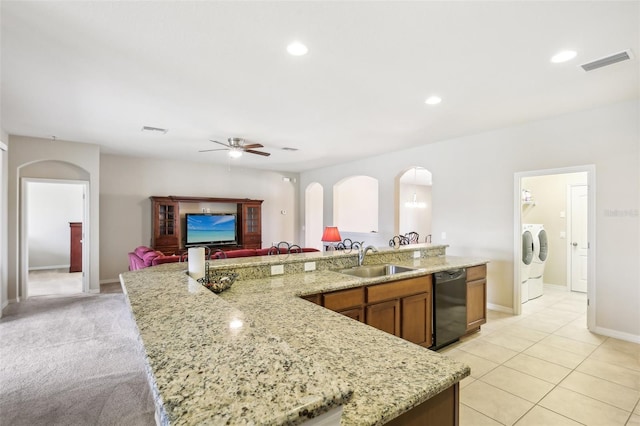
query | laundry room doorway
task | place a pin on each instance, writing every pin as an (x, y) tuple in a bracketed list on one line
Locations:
[(557, 208)]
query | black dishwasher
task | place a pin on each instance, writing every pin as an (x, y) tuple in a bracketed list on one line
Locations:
[(449, 306)]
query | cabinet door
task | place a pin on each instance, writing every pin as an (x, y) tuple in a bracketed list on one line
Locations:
[(416, 319), (355, 313), (166, 226), (476, 304), (384, 316), (251, 225)]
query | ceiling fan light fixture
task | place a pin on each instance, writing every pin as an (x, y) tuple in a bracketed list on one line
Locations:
[(235, 153)]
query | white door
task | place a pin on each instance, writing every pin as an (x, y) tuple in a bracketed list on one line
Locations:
[(579, 241)]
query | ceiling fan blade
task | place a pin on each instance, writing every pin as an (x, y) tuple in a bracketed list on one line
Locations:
[(264, 154), (253, 145), (221, 143), (217, 149)]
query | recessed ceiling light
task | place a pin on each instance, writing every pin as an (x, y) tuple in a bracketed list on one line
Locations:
[(297, 49), (433, 100), (564, 56)]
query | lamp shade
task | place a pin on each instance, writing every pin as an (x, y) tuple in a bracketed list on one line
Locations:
[(331, 234)]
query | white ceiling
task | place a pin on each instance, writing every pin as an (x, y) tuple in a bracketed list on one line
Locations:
[(97, 72)]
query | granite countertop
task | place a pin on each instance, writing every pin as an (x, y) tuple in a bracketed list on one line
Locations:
[(259, 354)]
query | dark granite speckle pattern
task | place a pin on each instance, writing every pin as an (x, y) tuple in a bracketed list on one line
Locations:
[(290, 358)]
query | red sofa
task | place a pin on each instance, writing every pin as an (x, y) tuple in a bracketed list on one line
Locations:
[(143, 256)]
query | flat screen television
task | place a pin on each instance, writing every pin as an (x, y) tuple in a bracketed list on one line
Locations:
[(211, 229)]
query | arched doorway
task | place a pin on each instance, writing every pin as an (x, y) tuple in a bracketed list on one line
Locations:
[(414, 206), (52, 171)]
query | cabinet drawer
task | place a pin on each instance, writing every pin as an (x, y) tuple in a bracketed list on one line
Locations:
[(476, 272), (343, 299), (398, 289)]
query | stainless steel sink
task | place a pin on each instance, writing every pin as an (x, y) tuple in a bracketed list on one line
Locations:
[(372, 271)]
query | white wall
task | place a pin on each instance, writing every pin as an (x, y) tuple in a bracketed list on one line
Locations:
[(127, 183), (473, 198), (355, 201), (41, 158), (4, 183), (51, 206)]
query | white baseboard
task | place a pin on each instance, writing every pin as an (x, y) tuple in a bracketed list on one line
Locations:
[(500, 308), (634, 338), (110, 281), (41, 268)]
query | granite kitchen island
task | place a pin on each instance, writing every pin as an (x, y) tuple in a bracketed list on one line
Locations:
[(259, 354)]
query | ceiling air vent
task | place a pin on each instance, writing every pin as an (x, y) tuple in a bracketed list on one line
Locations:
[(154, 129), (608, 60)]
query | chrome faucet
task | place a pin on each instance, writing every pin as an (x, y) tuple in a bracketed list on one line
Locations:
[(363, 251)]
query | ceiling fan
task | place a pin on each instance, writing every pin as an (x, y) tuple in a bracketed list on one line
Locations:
[(236, 147)]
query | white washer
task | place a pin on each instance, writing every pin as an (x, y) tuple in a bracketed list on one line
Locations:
[(525, 262), (540, 254)]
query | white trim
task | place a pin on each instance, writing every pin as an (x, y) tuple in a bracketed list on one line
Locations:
[(4, 146), (634, 338), (590, 169), (499, 308), (93, 291), (24, 242), (110, 281)]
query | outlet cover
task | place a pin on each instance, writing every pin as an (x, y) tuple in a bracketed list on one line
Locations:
[(277, 270), (443, 236), (416, 254), (309, 266)]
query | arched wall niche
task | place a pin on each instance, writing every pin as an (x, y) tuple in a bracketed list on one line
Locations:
[(413, 202), (313, 212), (355, 204)]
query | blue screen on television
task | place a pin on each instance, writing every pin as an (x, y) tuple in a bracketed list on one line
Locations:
[(211, 228)]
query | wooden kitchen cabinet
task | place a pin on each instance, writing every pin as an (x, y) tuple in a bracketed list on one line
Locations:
[(346, 302), (402, 308), (384, 316), (416, 319), (476, 297)]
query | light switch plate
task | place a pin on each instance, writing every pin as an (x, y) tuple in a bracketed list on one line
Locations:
[(443, 236), (309, 266), (277, 270)]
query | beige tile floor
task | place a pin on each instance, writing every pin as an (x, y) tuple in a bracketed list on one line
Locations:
[(544, 368)]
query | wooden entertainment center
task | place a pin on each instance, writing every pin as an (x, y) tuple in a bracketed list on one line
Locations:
[(167, 224)]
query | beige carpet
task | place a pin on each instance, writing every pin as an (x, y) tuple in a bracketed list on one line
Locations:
[(72, 360), (54, 282)]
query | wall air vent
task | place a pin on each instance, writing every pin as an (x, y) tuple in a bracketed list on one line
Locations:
[(608, 60)]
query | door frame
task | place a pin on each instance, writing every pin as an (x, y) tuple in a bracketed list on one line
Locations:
[(590, 169), (24, 240)]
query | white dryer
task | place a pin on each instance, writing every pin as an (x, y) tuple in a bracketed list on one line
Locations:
[(540, 255), (525, 263)]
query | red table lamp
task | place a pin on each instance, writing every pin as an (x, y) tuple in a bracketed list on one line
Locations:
[(331, 235)]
